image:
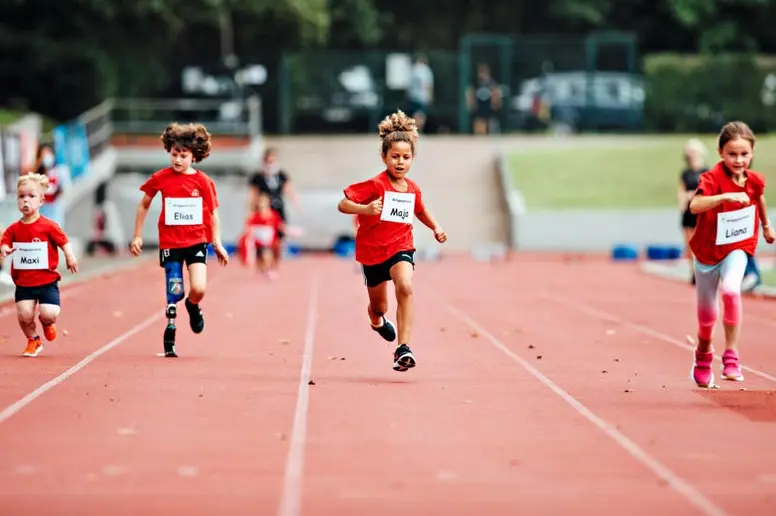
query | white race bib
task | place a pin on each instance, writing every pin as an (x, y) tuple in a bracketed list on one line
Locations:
[(398, 207), (263, 234), (30, 256), (183, 211), (735, 226)]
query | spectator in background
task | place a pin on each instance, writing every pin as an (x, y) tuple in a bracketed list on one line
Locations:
[(421, 90), (484, 100), (99, 240), (272, 180), (695, 153), (58, 179)]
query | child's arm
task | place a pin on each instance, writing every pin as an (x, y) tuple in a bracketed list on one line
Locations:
[(701, 203), (430, 222), (682, 197), (218, 246), (70, 259), (349, 207), (768, 233), (428, 219), (357, 199), (142, 212), (6, 242), (58, 237)]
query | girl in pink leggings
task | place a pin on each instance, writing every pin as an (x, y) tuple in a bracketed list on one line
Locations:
[(730, 205)]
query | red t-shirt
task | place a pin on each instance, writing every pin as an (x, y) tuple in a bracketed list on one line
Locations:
[(735, 226), (264, 227), (188, 201), (36, 258), (378, 239)]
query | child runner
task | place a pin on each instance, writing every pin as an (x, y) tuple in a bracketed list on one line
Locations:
[(730, 205), (33, 243), (263, 228), (385, 206), (187, 223)]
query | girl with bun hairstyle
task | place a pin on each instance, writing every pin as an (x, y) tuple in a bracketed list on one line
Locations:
[(385, 206)]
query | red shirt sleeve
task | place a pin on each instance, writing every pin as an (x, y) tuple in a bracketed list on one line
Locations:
[(57, 234), (707, 184), (211, 195), (8, 236), (362, 193), (419, 206), (151, 186), (758, 184)]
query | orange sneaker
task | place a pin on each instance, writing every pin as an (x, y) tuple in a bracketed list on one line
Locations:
[(50, 332), (34, 347)]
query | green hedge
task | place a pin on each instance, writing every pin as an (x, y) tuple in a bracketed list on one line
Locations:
[(699, 93)]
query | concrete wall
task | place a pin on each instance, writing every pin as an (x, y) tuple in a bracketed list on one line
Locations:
[(587, 230), (459, 177)]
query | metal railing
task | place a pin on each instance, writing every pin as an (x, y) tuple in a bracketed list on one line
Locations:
[(233, 117)]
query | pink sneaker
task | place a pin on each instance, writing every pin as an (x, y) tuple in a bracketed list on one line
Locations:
[(731, 368), (701, 369)]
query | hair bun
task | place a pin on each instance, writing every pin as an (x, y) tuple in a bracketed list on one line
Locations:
[(397, 122)]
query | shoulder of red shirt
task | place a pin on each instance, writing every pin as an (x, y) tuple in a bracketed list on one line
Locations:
[(383, 179), (717, 174)]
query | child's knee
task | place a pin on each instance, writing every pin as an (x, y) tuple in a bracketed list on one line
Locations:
[(49, 314), (403, 288), (707, 318), (731, 300), (197, 287), (25, 315), (197, 291)]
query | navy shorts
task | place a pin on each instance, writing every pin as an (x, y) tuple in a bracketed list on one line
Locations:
[(379, 273), (188, 255), (43, 294)]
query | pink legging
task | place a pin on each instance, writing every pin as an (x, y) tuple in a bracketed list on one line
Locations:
[(726, 276)]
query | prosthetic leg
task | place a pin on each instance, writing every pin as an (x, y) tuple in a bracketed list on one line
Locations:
[(173, 272)]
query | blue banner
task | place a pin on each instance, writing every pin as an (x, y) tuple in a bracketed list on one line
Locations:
[(71, 146)]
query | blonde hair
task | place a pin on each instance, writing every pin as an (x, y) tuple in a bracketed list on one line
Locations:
[(398, 127), (696, 146), (41, 180)]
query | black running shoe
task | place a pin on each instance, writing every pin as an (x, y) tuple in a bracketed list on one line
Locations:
[(196, 320), (403, 359), (169, 342), (386, 330)]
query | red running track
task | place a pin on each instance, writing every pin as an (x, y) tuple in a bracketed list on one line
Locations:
[(543, 386)]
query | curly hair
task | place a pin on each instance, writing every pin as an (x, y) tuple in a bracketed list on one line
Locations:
[(734, 130), (40, 180), (191, 137), (398, 127)]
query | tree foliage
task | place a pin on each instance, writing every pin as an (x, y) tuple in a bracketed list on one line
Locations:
[(85, 50)]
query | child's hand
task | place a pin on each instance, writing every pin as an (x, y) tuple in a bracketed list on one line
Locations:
[(221, 254), (374, 207), (136, 246), (72, 263), (739, 197), (5, 250), (440, 235), (769, 234)]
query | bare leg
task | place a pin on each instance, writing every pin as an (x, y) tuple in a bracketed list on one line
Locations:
[(401, 273), (197, 287), (378, 303), (25, 311)]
